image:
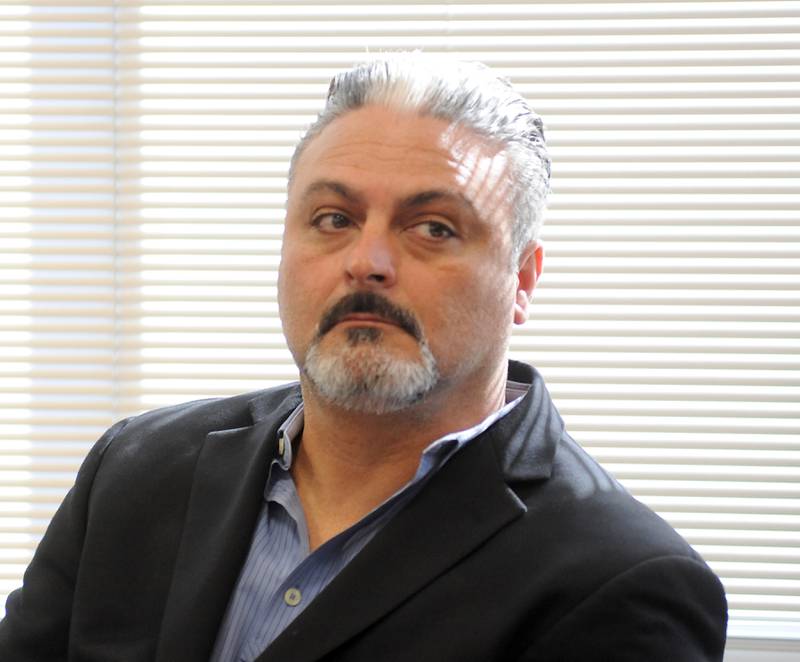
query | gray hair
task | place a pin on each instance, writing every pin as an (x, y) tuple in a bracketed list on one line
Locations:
[(464, 94)]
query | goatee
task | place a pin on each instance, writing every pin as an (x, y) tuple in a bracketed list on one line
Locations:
[(363, 374)]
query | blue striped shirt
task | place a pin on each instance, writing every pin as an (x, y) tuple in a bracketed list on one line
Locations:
[(280, 578)]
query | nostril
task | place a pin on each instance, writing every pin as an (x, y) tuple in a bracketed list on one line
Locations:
[(379, 278)]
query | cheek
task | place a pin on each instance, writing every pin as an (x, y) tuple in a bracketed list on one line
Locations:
[(306, 289), (460, 310), (294, 295), (286, 294), (492, 300), (296, 277)]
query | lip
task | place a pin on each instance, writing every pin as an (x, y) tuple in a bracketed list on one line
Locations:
[(365, 319)]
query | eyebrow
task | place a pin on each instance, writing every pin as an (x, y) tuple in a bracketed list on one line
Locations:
[(446, 195), (332, 186), (415, 200)]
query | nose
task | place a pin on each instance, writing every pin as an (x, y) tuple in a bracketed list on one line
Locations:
[(370, 260)]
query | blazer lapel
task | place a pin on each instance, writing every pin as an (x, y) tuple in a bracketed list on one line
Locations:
[(463, 505), (466, 503), (226, 497)]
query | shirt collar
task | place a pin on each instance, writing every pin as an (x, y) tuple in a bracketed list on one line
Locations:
[(293, 426), (280, 487), (291, 429)]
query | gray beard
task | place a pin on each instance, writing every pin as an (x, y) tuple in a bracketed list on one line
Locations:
[(364, 376)]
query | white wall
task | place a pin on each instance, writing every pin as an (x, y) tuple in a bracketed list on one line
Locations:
[(762, 650)]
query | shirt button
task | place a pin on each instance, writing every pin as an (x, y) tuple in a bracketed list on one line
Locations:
[(292, 597), (281, 445)]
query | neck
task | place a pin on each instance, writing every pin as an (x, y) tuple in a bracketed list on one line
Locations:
[(349, 462)]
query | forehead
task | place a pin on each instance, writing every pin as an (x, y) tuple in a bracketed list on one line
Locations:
[(385, 152)]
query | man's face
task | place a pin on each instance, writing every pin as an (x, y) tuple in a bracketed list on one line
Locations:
[(396, 278)]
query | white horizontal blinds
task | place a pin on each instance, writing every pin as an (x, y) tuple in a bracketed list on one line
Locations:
[(666, 322), (56, 258), (208, 118)]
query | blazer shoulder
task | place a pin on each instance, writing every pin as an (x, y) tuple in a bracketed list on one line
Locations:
[(178, 423), (663, 609), (592, 521), (591, 541), (164, 443)]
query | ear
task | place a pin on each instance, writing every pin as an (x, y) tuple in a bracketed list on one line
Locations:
[(530, 268)]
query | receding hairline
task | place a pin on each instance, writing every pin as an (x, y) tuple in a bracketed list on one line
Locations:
[(462, 93), (455, 133)]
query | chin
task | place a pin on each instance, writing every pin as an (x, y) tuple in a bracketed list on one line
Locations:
[(365, 377)]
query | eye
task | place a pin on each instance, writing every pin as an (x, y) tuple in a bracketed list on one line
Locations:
[(331, 222), (435, 230)]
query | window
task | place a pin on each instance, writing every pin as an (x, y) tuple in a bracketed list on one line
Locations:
[(143, 154)]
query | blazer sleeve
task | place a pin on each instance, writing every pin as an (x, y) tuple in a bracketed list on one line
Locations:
[(37, 621), (662, 610)]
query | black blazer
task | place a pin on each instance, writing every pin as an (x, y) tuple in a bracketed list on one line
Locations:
[(520, 548)]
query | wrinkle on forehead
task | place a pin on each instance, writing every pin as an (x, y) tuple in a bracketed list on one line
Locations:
[(473, 164), (481, 170), (384, 148)]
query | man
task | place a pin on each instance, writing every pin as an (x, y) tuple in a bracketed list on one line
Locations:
[(416, 496)]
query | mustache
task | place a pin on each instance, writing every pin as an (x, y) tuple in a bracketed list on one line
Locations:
[(369, 302)]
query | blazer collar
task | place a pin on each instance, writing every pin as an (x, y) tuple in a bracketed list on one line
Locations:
[(466, 503), (226, 497), (526, 439)]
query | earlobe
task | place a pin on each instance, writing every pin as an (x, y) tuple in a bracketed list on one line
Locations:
[(530, 268), (521, 307)]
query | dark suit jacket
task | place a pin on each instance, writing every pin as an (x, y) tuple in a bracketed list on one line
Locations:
[(521, 548)]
